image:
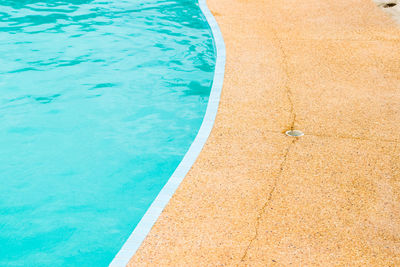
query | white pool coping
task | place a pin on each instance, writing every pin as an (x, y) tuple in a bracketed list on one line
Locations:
[(136, 238)]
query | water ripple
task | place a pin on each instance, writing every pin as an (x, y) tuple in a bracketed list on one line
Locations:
[(99, 101)]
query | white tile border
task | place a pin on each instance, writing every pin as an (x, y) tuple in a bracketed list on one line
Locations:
[(150, 217)]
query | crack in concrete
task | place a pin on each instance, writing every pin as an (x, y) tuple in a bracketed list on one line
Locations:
[(354, 138), (345, 137), (288, 90), (262, 211), (289, 94)]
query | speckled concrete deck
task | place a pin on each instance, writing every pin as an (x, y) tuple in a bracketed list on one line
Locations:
[(332, 197)]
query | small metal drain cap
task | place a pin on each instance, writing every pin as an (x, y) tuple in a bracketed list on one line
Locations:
[(294, 133)]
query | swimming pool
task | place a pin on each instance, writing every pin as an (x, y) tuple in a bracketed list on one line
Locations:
[(99, 101)]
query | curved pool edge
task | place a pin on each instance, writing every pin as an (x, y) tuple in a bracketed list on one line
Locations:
[(140, 232)]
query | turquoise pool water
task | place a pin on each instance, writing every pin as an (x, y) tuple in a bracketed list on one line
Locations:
[(99, 101)]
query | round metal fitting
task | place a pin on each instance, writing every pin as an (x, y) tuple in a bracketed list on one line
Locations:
[(294, 133)]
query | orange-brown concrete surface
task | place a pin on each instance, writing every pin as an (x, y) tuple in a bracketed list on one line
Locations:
[(256, 197)]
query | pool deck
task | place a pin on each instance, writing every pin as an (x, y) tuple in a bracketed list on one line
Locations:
[(256, 197)]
